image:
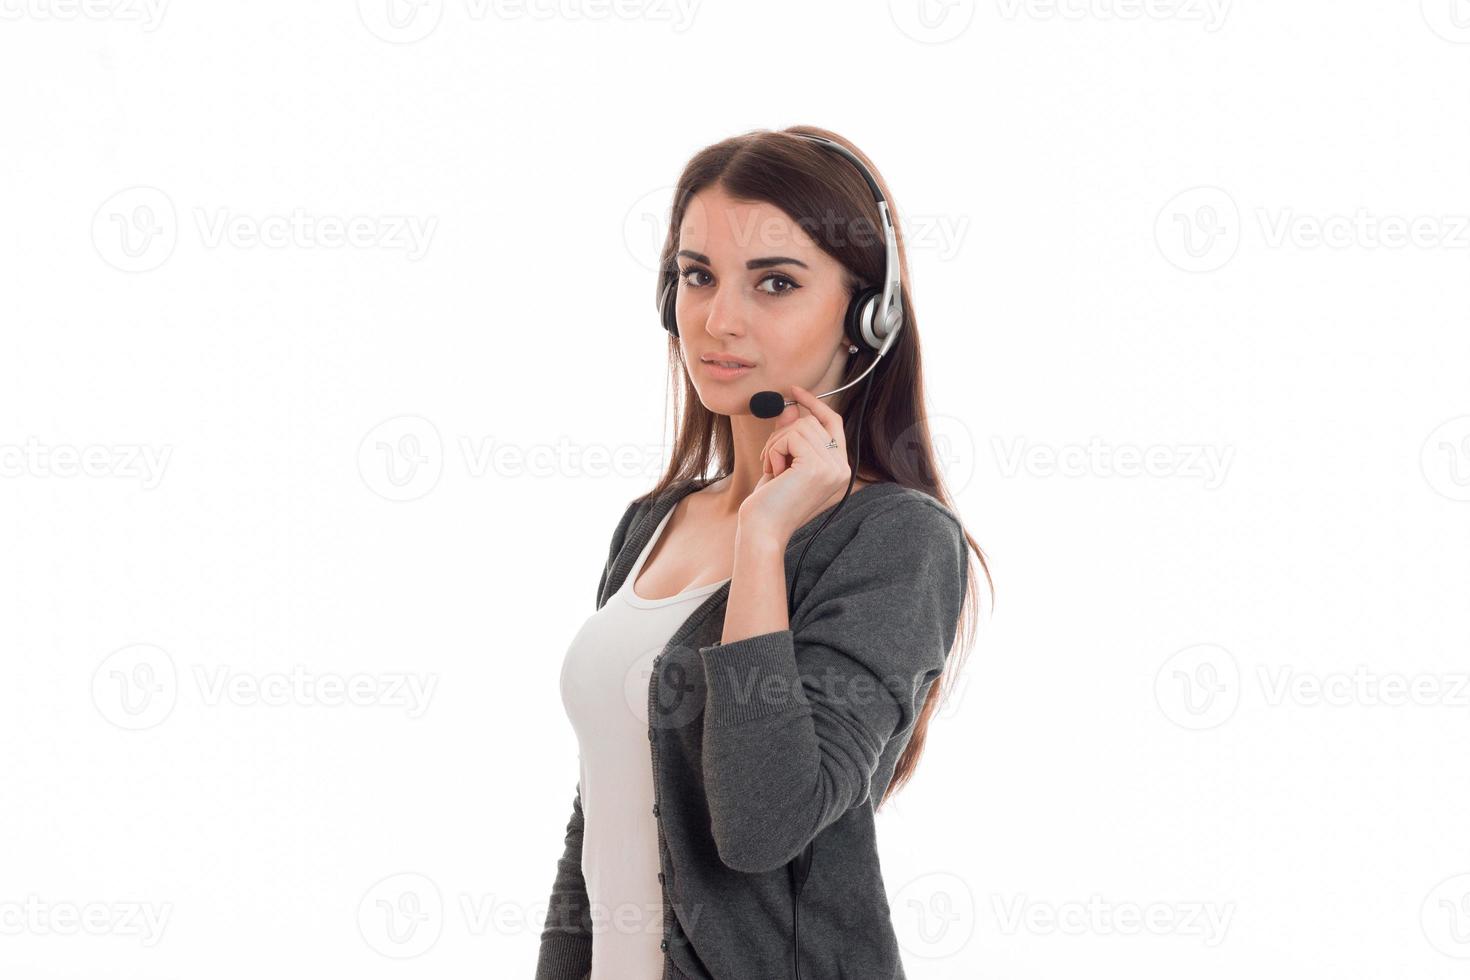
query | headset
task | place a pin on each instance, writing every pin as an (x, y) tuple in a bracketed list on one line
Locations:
[(873, 319)]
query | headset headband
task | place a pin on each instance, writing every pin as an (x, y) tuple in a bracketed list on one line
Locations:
[(888, 316)]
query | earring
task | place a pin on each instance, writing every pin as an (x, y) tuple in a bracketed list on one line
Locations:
[(852, 348)]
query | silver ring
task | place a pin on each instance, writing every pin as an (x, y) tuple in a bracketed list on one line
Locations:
[(832, 444)]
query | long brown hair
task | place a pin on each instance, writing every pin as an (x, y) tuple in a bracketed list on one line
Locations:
[(819, 189)]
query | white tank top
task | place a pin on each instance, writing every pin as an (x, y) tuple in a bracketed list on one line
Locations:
[(604, 688)]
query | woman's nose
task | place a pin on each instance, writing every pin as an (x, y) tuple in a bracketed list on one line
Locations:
[(726, 313)]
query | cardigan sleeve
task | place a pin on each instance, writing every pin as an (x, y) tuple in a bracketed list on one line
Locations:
[(566, 939), (796, 719)]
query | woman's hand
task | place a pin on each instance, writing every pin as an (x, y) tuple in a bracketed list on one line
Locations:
[(799, 473)]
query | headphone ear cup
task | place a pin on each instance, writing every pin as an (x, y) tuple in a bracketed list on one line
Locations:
[(666, 309), (864, 305)]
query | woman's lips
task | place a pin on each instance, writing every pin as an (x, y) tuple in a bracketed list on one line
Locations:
[(724, 373)]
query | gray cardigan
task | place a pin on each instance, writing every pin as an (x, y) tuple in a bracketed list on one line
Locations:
[(761, 745)]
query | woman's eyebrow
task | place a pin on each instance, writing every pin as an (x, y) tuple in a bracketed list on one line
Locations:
[(765, 263)]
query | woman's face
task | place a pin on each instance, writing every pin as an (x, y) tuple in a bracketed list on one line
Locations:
[(755, 287)]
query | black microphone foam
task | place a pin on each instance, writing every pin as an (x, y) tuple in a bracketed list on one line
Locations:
[(767, 404)]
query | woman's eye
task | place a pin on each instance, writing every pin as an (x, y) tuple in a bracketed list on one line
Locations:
[(691, 271), (790, 284)]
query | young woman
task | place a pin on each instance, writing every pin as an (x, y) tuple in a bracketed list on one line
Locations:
[(750, 691)]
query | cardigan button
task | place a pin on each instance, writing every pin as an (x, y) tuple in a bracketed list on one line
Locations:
[(664, 945), (660, 877), (655, 809)]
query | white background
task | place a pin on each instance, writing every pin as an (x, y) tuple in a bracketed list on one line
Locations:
[(1233, 236)]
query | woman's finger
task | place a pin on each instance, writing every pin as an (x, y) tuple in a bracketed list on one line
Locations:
[(819, 438), (820, 410), (777, 431), (799, 441)]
